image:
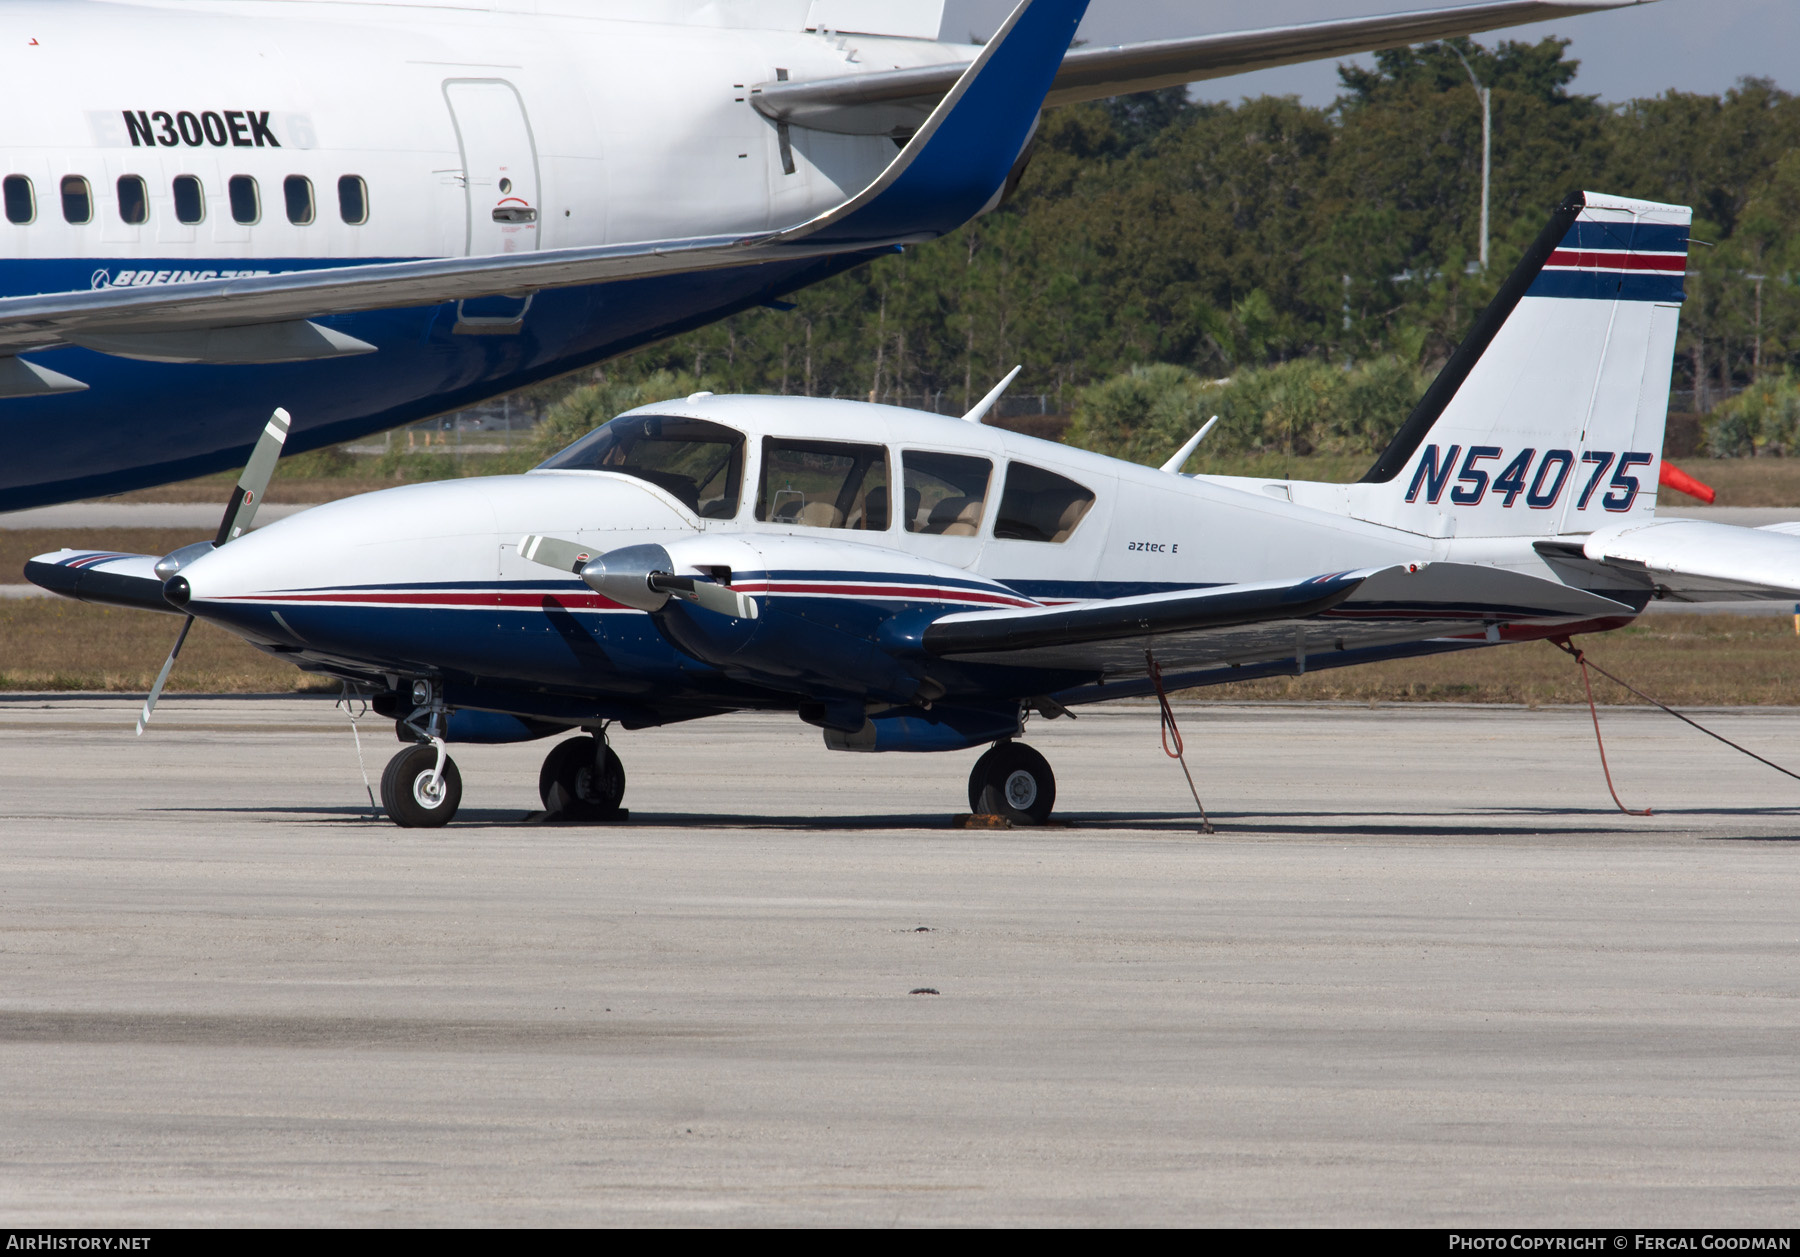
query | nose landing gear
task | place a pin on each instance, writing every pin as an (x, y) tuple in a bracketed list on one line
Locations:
[(583, 780), (416, 792), (1013, 781)]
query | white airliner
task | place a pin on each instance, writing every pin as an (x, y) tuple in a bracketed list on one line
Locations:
[(911, 583), (372, 212)]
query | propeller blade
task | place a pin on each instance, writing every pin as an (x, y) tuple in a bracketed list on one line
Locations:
[(162, 678), (724, 600), (554, 552), (255, 481), (714, 597)]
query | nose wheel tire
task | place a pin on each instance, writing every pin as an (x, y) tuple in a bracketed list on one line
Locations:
[(582, 780), (1013, 781), (412, 793)]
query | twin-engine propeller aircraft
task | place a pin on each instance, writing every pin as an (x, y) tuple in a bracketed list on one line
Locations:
[(910, 582), (370, 212)]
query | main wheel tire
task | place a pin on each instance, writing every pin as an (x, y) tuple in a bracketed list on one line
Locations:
[(408, 793), (1019, 784), (978, 776), (577, 786)]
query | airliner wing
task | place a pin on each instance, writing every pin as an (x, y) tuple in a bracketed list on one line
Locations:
[(953, 168), (895, 102), (1239, 625), (1691, 560)]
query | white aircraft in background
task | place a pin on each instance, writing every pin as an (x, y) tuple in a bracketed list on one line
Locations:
[(914, 583), (369, 212)]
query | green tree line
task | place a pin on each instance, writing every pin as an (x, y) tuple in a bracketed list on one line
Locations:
[(1157, 245)]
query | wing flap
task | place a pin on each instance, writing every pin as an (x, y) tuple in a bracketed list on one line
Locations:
[(1136, 619), (1252, 624)]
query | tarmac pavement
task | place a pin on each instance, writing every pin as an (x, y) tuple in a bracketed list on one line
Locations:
[(1425, 974)]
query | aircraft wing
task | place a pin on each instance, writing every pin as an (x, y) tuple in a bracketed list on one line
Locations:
[(953, 168), (1258, 623), (895, 102), (1691, 560)]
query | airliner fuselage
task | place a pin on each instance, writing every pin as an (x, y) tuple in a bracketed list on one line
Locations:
[(157, 144)]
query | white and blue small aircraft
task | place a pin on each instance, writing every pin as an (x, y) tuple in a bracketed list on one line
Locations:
[(909, 582), (371, 212)]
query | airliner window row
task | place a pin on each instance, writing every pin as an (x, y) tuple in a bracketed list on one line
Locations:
[(241, 192)]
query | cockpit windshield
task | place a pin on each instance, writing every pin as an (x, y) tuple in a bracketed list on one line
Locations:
[(699, 462)]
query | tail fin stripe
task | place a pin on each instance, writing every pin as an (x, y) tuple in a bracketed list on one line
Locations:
[(1609, 286), (1635, 261), (1602, 237)]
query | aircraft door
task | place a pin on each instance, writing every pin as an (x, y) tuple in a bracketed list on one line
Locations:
[(500, 167)]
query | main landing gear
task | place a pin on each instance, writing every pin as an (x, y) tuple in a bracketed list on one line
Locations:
[(1013, 781), (582, 780)]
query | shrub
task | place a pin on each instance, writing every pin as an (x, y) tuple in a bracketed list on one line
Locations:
[(1764, 419), (1299, 407)]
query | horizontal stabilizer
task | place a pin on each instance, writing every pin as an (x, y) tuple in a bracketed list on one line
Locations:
[(101, 576), (1692, 560), (896, 102)]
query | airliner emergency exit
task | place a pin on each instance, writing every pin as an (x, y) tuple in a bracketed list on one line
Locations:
[(368, 213), (908, 582)]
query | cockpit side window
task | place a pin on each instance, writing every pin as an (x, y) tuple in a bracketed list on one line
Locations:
[(945, 493), (700, 463), (824, 484), (1039, 505)]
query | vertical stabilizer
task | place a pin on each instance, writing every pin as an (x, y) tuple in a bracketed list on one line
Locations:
[(1549, 417)]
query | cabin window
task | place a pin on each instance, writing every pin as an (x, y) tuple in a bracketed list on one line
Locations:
[(701, 463), (353, 200), (945, 493), (21, 205), (298, 191), (824, 484), (190, 199), (134, 200), (78, 201), (246, 201), (1039, 505)]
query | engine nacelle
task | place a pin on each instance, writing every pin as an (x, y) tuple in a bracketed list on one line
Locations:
[(938, 728)]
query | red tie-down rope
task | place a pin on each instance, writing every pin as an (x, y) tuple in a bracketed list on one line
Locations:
[(1563, 643), (1172, 730), (1580, 657)]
